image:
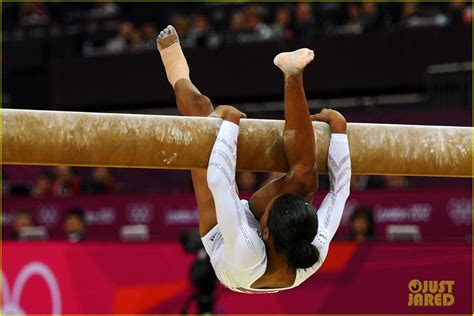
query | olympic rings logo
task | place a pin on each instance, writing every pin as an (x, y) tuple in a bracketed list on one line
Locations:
[(11, 300)]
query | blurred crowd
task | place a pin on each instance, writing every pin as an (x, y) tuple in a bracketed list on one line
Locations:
[(65, 181), (361, 226), (62, 181), (299, 21), (24, 226), (220, 24)]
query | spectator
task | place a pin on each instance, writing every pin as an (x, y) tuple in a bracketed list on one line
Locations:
[(148, 37), (305, 22), (33, 13), (281, 27), (182, 24), (396, 182), (75, 225), (126, 41), (329, 16), (413, 15), (460, 12), (101, 182), (370, 17), (200, 31), (43, 184), (247, 181), (353, 24), (359, 182), (409, 11), (362, 225), (255, 28), (5, 184), (248, 26), (65, 183), (21, 218), (236, 27), (95, 43), (104, 9)]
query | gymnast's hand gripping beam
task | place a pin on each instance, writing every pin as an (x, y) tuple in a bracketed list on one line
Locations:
[(172, 142)]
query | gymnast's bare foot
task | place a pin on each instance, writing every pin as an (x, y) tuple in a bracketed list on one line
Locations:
[(293, 63), (172, 56), (167, 37)]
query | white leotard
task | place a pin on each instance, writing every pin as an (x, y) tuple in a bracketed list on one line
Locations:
[(235, 245)]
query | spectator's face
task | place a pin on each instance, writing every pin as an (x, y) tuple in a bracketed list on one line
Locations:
[(304, 12), (282, 16), (73, 224), (22, 220), (395, 182), (101, 174), (149, 30), (353, 11), (355, 181), (237, 21), (63, 172), (201, 23), (126, 30), (458, 4), (360, 225), (247, 180), (409, 8), (369, 8), (182, 26), (253, 20), (43, 185)]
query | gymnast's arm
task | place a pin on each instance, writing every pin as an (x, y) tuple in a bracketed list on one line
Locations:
[(242, 248), (339, 167)]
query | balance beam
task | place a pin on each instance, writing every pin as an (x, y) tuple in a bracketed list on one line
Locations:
[(171, 142)]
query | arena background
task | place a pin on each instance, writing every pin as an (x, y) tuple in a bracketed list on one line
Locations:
[(404, 63)]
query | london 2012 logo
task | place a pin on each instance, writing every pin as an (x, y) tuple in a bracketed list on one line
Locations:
[(12, 295), (431, 293)]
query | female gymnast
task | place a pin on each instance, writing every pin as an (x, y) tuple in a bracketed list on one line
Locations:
[(276, 240)]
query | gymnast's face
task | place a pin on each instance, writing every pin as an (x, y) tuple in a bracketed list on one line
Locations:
[(264, 219)]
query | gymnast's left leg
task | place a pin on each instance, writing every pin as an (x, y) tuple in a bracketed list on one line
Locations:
[(190, 102)]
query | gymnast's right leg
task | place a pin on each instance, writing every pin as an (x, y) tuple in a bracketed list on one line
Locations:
[(190, 102)]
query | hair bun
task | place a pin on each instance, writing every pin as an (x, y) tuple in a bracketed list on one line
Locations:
[(303, 243), (303, 255)]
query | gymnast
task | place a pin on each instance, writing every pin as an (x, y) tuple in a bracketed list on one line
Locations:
[(276, 240)]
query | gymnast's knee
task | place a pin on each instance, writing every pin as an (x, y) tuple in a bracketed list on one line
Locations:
[(194, 104), (201, 101)]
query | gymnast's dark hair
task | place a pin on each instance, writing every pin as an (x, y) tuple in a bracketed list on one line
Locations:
[(293, 225)]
